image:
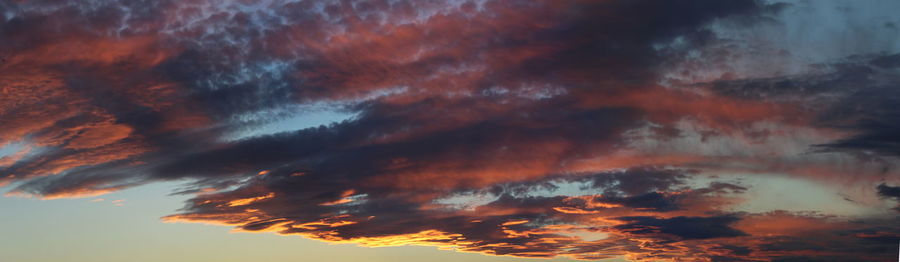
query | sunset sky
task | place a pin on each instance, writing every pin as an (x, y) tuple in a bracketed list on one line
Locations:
[(456, 130)]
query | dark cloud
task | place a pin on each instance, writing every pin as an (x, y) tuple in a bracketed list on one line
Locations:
[(683, 227), (640, 180), (892, 192), (653, 201), (508, 225), (888, 191), (855, 96)]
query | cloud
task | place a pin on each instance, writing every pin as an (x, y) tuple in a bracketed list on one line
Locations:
[(528, 226), (588, 129), (888, 191), (683, 227)]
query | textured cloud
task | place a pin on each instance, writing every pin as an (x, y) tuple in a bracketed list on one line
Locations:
[(587, 129)]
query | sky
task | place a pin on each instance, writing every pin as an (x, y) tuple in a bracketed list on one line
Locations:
[(488, 130)]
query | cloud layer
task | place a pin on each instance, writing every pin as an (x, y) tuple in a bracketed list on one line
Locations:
[(589, 129)]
